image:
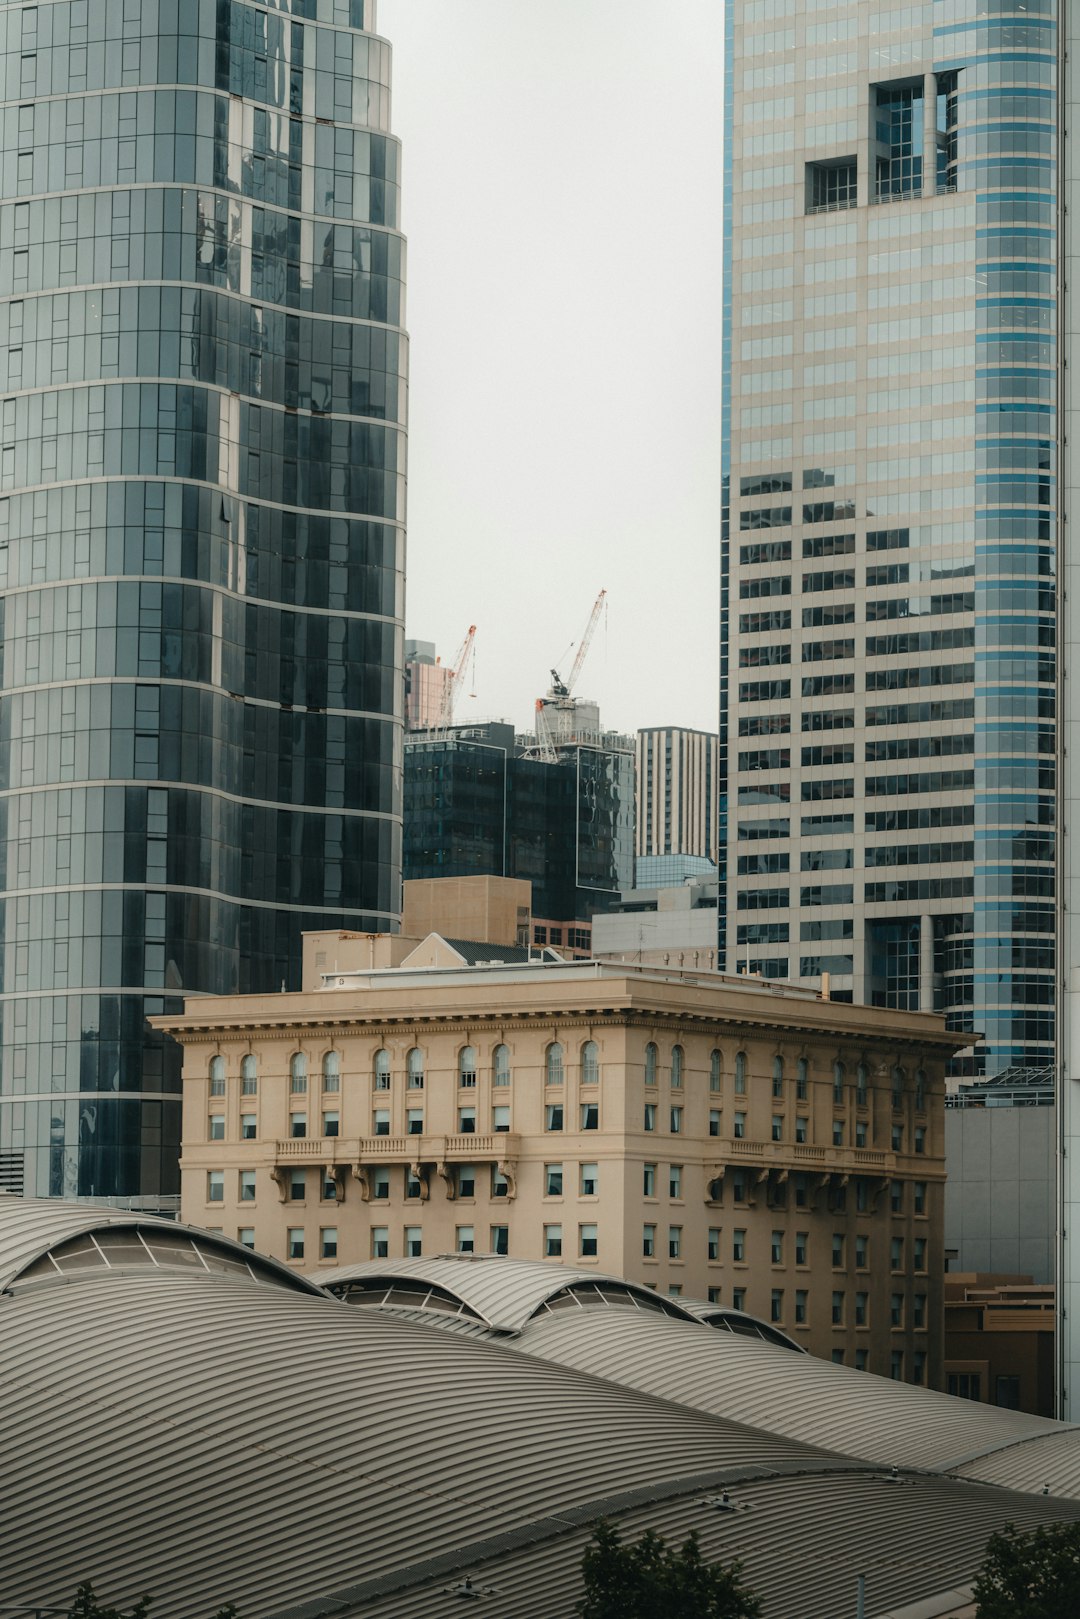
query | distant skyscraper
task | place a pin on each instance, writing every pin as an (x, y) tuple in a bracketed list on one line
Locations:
[(888, 665), (427, 687), (676, 793), (202, 495)]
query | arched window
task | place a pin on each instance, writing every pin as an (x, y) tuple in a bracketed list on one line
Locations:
[(897, 1087), (778, 1075), (217, 1076), (650, 1063), (249, 1075), (740, 1073), (838, 1081), (414, 1069), (331, 1071), (802, 1079), (500, 1065), (553, 1064), (862, 1080), (920, 1090), (676, 1067), (590, 1063), (298, 1073), (714, 1071), (380, 1073), (467, 1067)]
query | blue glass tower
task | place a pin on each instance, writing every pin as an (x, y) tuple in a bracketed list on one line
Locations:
[(202, 490), (890, 468)]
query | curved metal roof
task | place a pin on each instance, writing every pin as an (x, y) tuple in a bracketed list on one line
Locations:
[(43, 1237), (503, 1293), (740, 1323)]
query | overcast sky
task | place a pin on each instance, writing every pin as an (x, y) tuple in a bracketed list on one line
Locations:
[(562, 198)]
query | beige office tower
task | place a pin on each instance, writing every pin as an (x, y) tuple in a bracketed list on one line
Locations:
[(676, 801), (715, 1138), (888, 630)]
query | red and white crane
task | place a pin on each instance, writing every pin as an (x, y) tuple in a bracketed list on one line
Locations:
[(454, 676)]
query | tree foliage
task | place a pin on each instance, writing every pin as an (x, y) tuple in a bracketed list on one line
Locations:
[(1037, 1574), (645, 1579), (87, 1606)]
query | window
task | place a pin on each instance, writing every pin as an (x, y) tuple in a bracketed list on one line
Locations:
[(465, 1239), (380, 1184), (896, 1253), (380, 1242), (553, 1064), (896, 1138), (861, 1309), (587, 1241), (648, 1242), (965, 1385), (674, 1242), (776, 1304), (414, 1186), (777, 1127), (838, 1251), (414, 1121), (896, 1365), (920, 1091), (590, 1115), (381, 1121), (331, 1071), (414, 1242), (802, 1192), (896, 1310), (862, 1253), (466, 1121), (553, 1241), (328, 1241), (838, 1309), (738, 1186), (590, 1180), (740, 1126), (676, 1121), (838, 1133), (861, 1360), (920, 1253), (838, 1082), (215, 1128), (714, 1121), (674, 1180), (651, 1055), (215, 1186), (714, 1071), (331, 1123), (249, 1076), (245, 1236), (247, 1186), (714, 1295), (298, 1126), (801, 1127), (500, 1239), (676, 1068), (648, 1180), (860, 1132), (800, 1306), (553, 1180), (467, 1067), (802, 1244), (832, 185), (380, 1074), (897, 1089), (414, 1069), (714, 1242), (738, 1246), (650, 1115), (838, 1357), (738, 1298), (920, 1138), (248, 1127), (740, 1073), (918, 1367), (778, 1076), (500, 1120), (466, 1180), (919, 1189), (298, 1073), (329, 1193), (553, 1116), (500, 1066), (777, 1248), (590, 1063), (295, 1242), (861, 1083), (217, 1076), (896, 1197)]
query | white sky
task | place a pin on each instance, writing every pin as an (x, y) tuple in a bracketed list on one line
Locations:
[(562, 197)]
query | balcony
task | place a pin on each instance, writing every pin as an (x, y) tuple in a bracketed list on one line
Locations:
[(798, 1155), (499, 1145)]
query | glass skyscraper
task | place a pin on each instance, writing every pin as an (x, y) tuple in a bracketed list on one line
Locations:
[(202, 492), (890, 476)]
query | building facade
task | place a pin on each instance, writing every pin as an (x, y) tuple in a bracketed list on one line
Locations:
[(677, 794), (711, 1137), (202, 486), (427, 687), (888, 659)]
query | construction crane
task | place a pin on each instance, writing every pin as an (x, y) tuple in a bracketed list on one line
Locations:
[(453, 680), (563, 688)]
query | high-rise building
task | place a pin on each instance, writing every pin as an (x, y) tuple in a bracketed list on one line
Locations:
[(677, 792), (202, 487), (888, 665), (427, 687)]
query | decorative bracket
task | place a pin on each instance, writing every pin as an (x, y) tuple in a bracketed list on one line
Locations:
[(419, 1173), (280, 1176), (360, 1176), (445, 1173), (508, 1170), (336, 1173)]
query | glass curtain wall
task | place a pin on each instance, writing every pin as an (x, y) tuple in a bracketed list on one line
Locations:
[(202, 489)]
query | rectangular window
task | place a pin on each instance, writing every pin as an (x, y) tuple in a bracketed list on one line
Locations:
[(800, 1306), (466, 1180), (297, 1125), (648, 1241), (920, 1253), (500, 1120), (247, 1186), (919, 1190), (862, 1253), (215, 1186), (587, 1241), (328, 1242), (776, 1304), (248, 1127), (380, 1184), (674, 1242), (648, 1180), (837, 1251), (414, 1244), (861, 1309), (650, 1115), (500, 1239), (331, 1124), (896, 1253), (740, 1126), (838, 1309), (414, 1122), (216, 1127), (674, 1180), (802, 1246), (553, 1180), (295, 1242), (676, 1121), (777, 1127), (777, 1248), (590, 1116), (714, 1242), (896, 1310), (467, 1121), (297, 1185), (465, 1239), (553, 1116), (553, 1241), (245, 1236), (714, 1121), (381, 1121), (738, 1246), (380, 1242), (590, 1180)]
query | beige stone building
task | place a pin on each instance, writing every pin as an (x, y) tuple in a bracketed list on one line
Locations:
[(719, 1138)]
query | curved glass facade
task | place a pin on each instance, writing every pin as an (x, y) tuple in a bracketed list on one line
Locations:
[(202, 499)]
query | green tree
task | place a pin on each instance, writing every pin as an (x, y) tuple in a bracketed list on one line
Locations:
[(87, 1606), (646, 1579), (1037, 1574)]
